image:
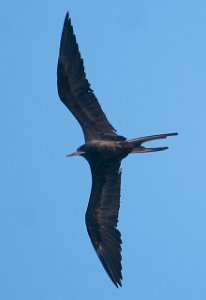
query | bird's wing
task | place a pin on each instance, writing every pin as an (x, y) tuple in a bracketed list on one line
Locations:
[(74, 89), (102, 218)]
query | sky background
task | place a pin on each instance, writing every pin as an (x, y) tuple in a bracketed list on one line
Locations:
[(146, 61)]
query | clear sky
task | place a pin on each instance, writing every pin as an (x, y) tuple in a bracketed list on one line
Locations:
[(146, 61)]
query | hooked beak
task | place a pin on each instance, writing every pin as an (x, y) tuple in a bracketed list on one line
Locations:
[(75, 153)]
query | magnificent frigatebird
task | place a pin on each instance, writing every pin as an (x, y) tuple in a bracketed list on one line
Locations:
[(103, 149)]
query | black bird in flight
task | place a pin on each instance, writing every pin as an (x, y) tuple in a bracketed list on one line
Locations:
[(103, 149)]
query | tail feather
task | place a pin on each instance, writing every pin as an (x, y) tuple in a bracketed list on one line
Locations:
[(142, 149), (136, 144)]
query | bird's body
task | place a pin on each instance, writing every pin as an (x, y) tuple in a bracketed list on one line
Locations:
[(104, 150), (99, 150)]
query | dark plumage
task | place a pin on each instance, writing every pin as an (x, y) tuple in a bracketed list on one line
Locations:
[(103, 149)]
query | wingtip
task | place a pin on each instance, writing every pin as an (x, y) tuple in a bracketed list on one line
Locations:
[(118, 285), (172, 134), (67, 17), (114, 274)]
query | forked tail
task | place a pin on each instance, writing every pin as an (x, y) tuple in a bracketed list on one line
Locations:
[(136, 144)]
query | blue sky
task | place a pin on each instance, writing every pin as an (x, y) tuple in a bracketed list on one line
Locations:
[(146, 62)]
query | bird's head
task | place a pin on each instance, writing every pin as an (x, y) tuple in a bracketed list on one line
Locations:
[(79, 151)]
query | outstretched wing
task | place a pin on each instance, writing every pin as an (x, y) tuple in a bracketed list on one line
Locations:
[(74, 89), (102, 218)]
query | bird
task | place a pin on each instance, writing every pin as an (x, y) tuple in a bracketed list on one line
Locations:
[(103, 149)]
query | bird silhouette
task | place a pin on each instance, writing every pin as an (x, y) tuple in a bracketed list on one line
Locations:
[(103, 149)]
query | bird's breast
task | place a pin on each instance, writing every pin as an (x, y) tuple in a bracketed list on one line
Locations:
[(104, 150)]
